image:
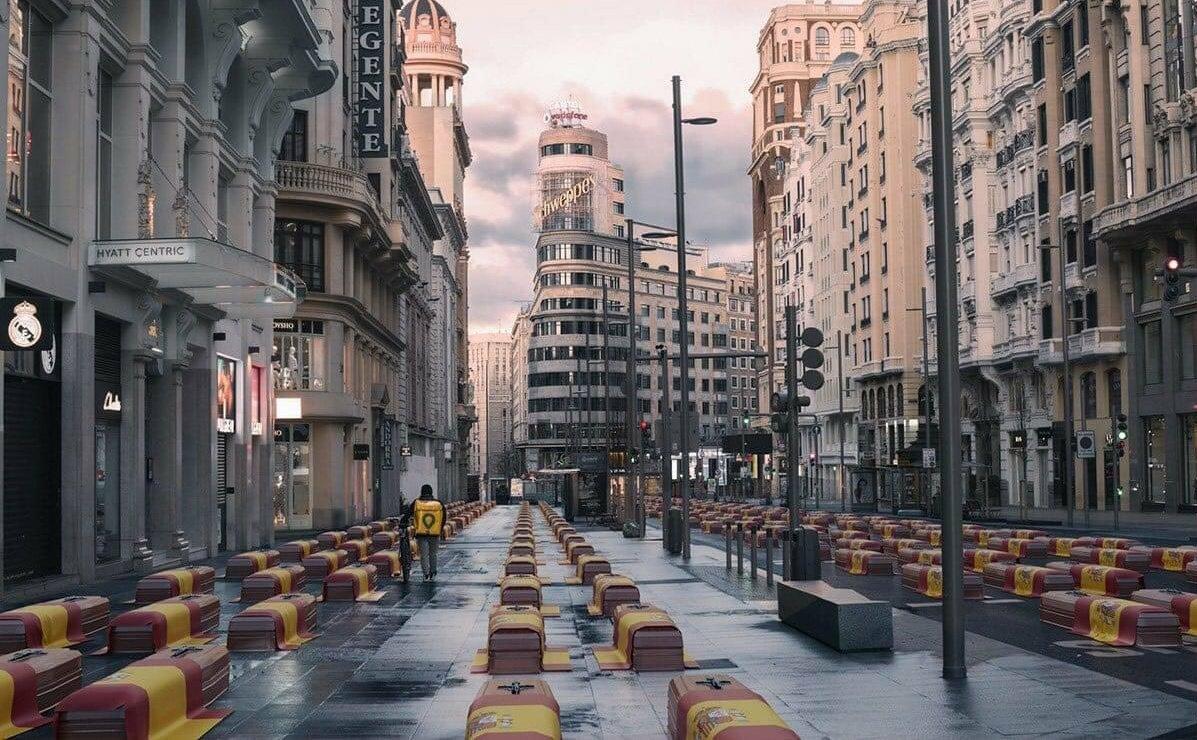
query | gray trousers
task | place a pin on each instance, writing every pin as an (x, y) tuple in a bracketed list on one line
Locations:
[(428, 548)]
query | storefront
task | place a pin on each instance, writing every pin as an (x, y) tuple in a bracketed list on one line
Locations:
[(108, 447)]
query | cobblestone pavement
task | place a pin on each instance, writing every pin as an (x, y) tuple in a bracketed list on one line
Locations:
[(400, 667)]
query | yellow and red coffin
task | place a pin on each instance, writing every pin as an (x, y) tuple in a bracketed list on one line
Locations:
[(576, 549), (388, 562), (331, 540), (520, 591), (1026, 580), (858, 544), (379, 526), (1060, 546), (1111, 557), (1019, 547), (1106, 543), (162, 697), (1191, 572), (646, 639), (196, 579), (1028, 534), (1101, 579), (515, 644), (383, 540), (891, 530), (519, 565), (296, 550), (895, 545), (609, 591), (924, 555), (280, 623), (357, 550), (587, 567), (864, 562), (976, 560), (719, 706), (1174, 559), (523, 710), (352, 583), (980, 536), (933, 537), (59, 623), (928, 581), (246, 563), (179, 621), (319, 565), (358, 532), (1110, 620), (1183, 605), (18, 699)]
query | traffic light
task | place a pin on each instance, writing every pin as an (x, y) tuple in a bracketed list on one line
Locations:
[(1121, 431), (646, 432), (812, 358), (1172, 287), (780, 407)]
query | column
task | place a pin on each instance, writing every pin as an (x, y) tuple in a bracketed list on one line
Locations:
[(263, 225), (135, 543), (169, 140), (165, 450), (199, 453)]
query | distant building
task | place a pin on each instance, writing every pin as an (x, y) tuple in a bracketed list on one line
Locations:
[(492, 454)]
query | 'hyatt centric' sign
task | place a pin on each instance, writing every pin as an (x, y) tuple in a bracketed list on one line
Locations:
[(370, 42)]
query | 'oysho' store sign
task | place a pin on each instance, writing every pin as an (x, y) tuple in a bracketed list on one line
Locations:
[(370, 43)]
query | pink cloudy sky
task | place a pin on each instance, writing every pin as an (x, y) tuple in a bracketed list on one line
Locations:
[(616, 57)]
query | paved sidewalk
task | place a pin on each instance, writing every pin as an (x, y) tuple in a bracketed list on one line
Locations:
[(400, 667)]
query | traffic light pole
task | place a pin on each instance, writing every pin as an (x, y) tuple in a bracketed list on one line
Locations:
[(792, 490), (666, 448), (947, 333)]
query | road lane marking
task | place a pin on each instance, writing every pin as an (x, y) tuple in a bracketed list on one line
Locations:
[(1186, 685)]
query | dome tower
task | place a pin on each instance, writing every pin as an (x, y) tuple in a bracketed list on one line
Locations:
[(434, 67)]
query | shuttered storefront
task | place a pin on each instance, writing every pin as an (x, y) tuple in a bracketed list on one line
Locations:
[(32, 470)]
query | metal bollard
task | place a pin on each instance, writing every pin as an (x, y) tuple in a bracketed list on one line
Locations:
[(769, 558), (785, 554), (740, 549), (752, 554), (727, 543)]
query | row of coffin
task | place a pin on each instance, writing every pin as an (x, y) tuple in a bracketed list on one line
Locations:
[(166, 694), (646, 639)]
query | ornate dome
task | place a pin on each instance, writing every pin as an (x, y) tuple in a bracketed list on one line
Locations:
[(437, 15)]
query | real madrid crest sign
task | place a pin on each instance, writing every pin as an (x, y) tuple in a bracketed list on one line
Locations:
[(29, 324)]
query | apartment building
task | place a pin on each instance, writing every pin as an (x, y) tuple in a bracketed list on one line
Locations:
[(492, 455)]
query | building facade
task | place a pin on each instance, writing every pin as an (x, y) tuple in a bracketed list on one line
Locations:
[(141, 204), (492, 455)]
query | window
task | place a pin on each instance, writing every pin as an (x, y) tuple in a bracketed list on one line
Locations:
[(618, 207), (1153, 353), (618, 185), (822, 37), (1042, 120), (1128, 176), (295, 139), (1157, 470), (1087, 183), (104, 158), (298, 361), (1188, 493), (29, 74), (299, 246), (1089, 395), (847, 37), (1187, 326), (1114, 392)]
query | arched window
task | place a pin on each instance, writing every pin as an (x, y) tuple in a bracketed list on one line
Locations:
[(847, 37), (1089, 395), (822, 37), (889, 401), (1114, 392), (899, 406)]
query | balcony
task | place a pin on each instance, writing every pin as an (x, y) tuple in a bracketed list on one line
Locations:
[(1068, 206), (1072, 277), (1095, 343), (1068, 135), (1015, 348), (328, 185), (968, 292), (1010, 281), (1180, 196), (1050, 352)]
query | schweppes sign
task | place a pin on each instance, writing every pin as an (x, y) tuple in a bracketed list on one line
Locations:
[(565, 198)]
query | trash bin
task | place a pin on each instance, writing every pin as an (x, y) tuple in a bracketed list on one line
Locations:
[(804, 555), (674, 534)]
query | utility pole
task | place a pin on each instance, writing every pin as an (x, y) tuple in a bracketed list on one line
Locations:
[(630, 381), (947, 331), (839, 386), (683, 312), (607, 392), (666, 446), (792, 490)]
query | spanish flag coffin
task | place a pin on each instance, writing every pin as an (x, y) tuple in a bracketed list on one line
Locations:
[(976, 560), (928, 581), (858, 544), (352, 583), (514, 709), (384, 540), (522, 547), (319, 565), (278, 623), (891, 530), (864, 562), (1106, 543), (297, 550), (240, 566), (515, 644), (926, 556), (1019, 547), (1028, 534), (331, 540), (1111, 557), (611, 590), (1026, 580), (560, 531), (361, 532), (358, 550), (719, 706), (1191, 572), (1101, 579), (525, 591), (1110, 620), (646, 639), (19, 710), (1173, 559), (389, 563), (519, 565), (575, 550), (56, 673), (379, 526), (272, 582), (893, 546), (53, 624), (162, 697), (932, 537), (588, 566), (1060, 546), (180, 621), (196, 579), (853, 534), (1180, 603)]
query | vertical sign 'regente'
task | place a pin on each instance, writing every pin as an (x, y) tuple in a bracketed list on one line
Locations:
[(371, 134)]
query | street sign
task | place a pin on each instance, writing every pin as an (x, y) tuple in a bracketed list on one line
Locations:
[(405, 450), (928, 457), (1086, 444)]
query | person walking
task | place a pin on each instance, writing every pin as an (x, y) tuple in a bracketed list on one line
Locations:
[(427, 516)]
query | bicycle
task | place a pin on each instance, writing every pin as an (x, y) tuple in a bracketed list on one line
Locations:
[(405, 553)]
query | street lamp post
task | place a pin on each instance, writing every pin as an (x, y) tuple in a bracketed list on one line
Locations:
[(683, 306), (1066, 470)]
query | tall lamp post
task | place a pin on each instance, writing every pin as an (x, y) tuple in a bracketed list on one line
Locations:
[(683, 306)]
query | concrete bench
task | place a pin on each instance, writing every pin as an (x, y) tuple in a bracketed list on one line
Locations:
[(839, 617)]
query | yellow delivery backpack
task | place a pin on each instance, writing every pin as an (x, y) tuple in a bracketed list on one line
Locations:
[(429, 517)]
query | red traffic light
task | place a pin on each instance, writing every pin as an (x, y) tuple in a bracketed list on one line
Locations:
[(1172, 264), (643, 425)]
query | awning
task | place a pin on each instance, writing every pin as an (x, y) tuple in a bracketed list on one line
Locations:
[(239, 283)]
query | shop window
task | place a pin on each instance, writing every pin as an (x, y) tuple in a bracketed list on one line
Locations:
[(299, 359), (1157, 471), (299, 246), (292, 476), (29, 100)]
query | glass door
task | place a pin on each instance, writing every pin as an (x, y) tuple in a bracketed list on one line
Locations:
[(292, 476), (108, 492)]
